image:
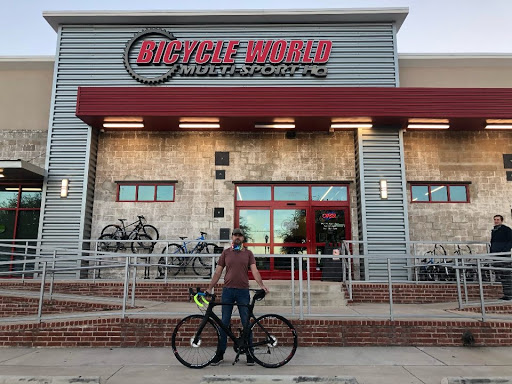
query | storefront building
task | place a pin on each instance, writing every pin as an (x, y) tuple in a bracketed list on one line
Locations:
[(290, 124)]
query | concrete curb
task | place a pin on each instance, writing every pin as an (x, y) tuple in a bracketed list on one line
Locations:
[(50, 379), (477, 380), (276, 379)]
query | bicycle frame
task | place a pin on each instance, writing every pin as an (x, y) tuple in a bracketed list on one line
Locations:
[(241, 342)]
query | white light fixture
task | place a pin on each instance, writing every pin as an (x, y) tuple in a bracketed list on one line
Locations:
[(199, 125), (64, 188), (383, 189), (278, 126), (123, 119), (428, 126), (351, 125), (123, 125), (498, 126), (2, 175)]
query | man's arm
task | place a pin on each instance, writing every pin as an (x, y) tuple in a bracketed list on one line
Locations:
[(257, 277), (215, 278)]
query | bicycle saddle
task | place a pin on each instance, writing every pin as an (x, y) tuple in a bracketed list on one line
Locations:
[(121, 220), (259, 295), (203, 233), (182, 237)]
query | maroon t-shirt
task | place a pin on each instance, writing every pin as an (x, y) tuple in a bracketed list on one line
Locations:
[(237, 263)]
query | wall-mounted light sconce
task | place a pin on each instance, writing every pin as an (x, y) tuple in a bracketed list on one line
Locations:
[(2, 172), (383, 189), (64, 188)]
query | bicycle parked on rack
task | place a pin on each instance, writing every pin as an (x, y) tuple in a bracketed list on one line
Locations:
[(121, 232), (436, 266), (271, 340), (175, 263)]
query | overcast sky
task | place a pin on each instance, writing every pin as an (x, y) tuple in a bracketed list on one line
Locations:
[(433, 26)]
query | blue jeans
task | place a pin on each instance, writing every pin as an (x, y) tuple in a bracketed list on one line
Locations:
[(233, 296)]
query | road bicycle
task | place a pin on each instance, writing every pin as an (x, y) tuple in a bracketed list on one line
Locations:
[(271, 340), (201, 265), (109, 241)]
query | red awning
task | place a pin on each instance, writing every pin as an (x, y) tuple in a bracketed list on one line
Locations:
[(312, 108)]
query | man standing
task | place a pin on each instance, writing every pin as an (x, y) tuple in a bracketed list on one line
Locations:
[(501, 241), (237, 260)]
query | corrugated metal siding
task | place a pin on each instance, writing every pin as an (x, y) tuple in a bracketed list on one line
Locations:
[(363, 55), (380, 156)]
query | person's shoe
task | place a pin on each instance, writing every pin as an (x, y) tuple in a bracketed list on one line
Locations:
[(508, 298), (250, 360), (219, 358)]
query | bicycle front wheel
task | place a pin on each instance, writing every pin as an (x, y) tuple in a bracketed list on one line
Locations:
[(151, 231), (274, 341), (169, 257), (198, 353), (203, 265), (142, 245), (106, 243)]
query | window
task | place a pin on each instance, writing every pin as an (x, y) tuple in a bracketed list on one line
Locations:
[(439, 193), (145, 192)]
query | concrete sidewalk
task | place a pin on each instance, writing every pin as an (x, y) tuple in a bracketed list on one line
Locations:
[(369, 365)]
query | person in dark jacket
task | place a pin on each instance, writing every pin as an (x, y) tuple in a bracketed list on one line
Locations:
[(501, 241)]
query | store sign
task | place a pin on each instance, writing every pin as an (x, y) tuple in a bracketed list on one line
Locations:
[(158, 51)]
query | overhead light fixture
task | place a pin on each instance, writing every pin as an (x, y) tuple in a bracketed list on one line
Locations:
[(123, 125), (2, 175), (123, 119), (199, 125), (498, 126), (64, 186), (350, 125), (423, 123), (428, 126), (383, 189), (278, 126), (25, 189)]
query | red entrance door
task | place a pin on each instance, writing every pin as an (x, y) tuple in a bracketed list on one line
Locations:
[(291, 227)]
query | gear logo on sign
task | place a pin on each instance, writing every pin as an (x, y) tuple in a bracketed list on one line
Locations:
[(130, 49)]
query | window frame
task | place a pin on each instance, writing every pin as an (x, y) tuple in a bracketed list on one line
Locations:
[(154, 184), (448, 186)]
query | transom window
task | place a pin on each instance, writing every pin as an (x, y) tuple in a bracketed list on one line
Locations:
[(145, 192), (439, 193), (320, 193)]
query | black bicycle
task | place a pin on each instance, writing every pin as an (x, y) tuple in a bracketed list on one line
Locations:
[(196, 338), (141, 236), (176, 263)]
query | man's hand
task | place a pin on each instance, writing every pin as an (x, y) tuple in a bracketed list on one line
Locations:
[(264, 288)]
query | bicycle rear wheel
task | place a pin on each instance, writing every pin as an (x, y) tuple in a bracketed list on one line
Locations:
[(201, 353), (274, 341), (110, 229), (174, 263), (107, 243)]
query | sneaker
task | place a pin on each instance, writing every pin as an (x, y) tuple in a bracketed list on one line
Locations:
[(219, 358), (250, 360)]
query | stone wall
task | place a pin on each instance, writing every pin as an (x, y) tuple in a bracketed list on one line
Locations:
[(28, 145), (476, 157), (189, 157)]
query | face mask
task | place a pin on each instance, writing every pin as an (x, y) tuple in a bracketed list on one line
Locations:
[(237, 247)]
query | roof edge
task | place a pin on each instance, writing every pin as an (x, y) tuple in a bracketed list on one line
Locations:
[(251, 16)]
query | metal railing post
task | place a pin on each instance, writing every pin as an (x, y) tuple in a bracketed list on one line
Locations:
[(134, 281), (53, 274), (125, 290), (416, 274), (464, 281), (301, 291), (349, 261), (95, 262), (390, 288), (308, 271), (166, 262), (457, 277), (293, 285), (41, 294), (24, 262), (481, 288)]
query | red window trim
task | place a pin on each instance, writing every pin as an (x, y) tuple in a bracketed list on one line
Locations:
[(137, 185), (436, 184)]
